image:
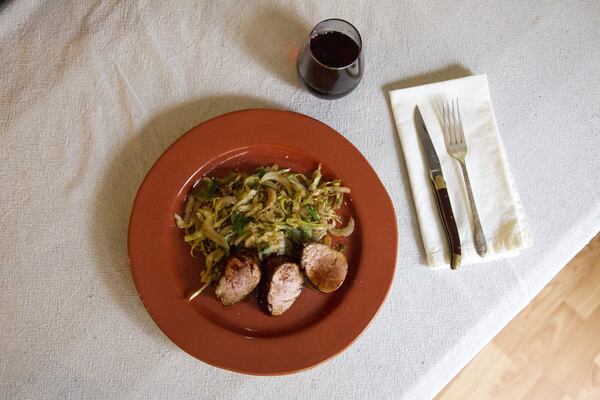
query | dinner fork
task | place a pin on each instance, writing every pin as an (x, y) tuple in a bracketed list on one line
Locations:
[(454, 136)]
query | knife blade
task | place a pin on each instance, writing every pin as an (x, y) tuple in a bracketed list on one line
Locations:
[(440, 190)]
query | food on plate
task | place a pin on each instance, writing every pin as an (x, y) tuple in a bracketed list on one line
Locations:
[(324, 267), (269, 212), (282, 284), (240, 277)]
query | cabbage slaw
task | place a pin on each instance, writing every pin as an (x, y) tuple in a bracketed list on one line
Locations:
[(270, 210)]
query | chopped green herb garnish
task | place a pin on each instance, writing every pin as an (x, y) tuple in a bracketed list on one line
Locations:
[(314, 214), (260, 172), (239, 222), (206, 190)]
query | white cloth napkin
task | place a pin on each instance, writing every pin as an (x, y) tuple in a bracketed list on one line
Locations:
[(495, 193)]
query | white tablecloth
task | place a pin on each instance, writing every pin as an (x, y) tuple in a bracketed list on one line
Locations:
[(91, 93)]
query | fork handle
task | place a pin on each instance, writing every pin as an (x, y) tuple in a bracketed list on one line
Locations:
[(478, 236)]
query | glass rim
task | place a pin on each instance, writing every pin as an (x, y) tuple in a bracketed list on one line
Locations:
[(352, 27)]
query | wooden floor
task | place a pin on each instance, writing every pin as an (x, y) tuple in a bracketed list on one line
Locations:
[(551, 350)]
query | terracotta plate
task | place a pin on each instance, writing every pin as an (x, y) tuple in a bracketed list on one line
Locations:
[(241, 337)]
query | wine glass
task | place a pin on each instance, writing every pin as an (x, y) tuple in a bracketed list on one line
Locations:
[(330, 64)]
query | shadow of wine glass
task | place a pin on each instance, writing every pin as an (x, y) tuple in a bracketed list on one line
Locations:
[(117, 190), (452, 71), (274, 38), (4, 3)]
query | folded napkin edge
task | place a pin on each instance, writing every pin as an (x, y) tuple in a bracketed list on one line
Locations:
[(439, 259), (403, 93)]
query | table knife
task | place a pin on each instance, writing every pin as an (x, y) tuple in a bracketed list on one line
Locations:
[(440, 190)]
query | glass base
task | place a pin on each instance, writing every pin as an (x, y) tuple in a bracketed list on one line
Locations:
[(324, 95)]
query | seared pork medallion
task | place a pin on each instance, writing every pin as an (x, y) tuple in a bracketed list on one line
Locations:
[(325, 267), (240, 277), (282, 285)]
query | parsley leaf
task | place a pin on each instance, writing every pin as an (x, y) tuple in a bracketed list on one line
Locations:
[(206, 190), (314, 214), (260, 172), (239, 222)]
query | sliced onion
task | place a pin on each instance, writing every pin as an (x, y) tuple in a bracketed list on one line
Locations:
[(197, 292), (274, 176), (193, 236), (251, 181), (213, 235), (224, 202), (316, 179), (340, 189), (299, 186), (181, 223), (345, 231), (271, 198), (189, 206), (213, 258), (246, 199)]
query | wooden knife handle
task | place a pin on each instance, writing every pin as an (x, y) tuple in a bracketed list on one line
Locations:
[(445, 208)]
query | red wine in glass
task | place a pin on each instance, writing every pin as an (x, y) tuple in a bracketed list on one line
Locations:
[(330, 64)]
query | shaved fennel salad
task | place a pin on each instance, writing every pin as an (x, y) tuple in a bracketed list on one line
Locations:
[(270, 210)]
